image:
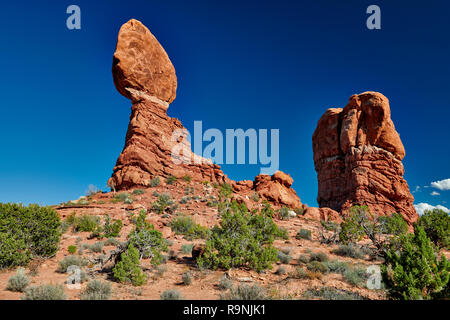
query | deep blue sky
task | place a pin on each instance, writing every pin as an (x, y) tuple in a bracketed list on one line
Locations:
[(240, 64)]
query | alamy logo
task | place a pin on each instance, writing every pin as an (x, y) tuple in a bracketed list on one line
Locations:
[(235, 140), (374, 20), (74, 20)]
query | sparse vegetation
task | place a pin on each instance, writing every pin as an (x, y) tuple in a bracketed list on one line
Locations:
[(318, 256), (317, 266), (186, 226), (68, 261), (330, 293), (164, 204), (245, 292), (284, 213), (355, 276), (45, 292), (187, 248), (18, 282), (348, 250), (186, 278), (283, 257), (187, 178), (171, 179), (137, 192), (304, 234), (155, 182), (225, 283), (171, 295), (72, 249), (96, 290)]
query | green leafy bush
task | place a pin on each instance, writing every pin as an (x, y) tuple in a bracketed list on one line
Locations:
[(137, 192), (412, 269), (436, 224), (394, 224), (187, 178), (128, 269), (86, 223), (96, 290), (304, 234), (241, 239), (72, 249), (171, 179), (284, 213), (18, 282), (164, 204), (45, 292), (27, 232), (171, 295), (148, 241), (186, 226), (352, 229), (245, 292)]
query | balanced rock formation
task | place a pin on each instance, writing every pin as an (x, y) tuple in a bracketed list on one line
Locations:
[(143, 73), (358, 158), (276, 189)]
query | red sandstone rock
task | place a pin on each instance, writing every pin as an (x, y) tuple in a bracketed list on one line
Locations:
[(276, 189), (143, 72), (320, 214), (357, 156)]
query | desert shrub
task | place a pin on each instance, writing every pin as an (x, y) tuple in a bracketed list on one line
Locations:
[(225, 283), (187, 248), (283, 257), (337, 266), (412, 270), (137, 192), (97, 247), (284, 213), (171, 295), (160, 270), (164, 204), (185, 200), (68, 261), (281, 270), (96, 290), (355, 276), (72, 249), (300, 273), (186, 278), (148, 241), (155, 182), (245, 292), (330, 293), (318, 256), (187, 178), (241, 239), (45, 292), (111, 242), (303, 258), (300, 211), (348, 250), (186, 226), (171, 179), (226, 190), (304, 234), (128, 269), (352, 229), (111, 229), (27, 232), (255, 197), (86, 223), (436, 224), (18, 282), (317, 266), (394, 224)]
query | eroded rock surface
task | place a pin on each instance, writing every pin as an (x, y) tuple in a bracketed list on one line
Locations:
[(358, 158)]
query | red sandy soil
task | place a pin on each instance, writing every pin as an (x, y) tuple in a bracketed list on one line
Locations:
[(204, 283)]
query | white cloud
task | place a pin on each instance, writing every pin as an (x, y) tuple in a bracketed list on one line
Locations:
[(434, 193), (417, 189), (422, 207), (441, 184)]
